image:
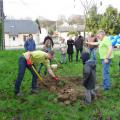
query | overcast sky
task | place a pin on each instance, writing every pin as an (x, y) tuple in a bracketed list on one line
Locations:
[(49, 8)]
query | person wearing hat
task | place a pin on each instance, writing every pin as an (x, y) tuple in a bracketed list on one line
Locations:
[(105, 52), (89, 77), (26, 61)]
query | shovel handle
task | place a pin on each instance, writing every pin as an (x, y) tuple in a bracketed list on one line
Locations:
[(38, 75)]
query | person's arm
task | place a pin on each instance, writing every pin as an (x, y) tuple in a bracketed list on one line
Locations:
[(27, 56), (28, 60), (92, 43), (51, 72), (108, 54), (47, 64)]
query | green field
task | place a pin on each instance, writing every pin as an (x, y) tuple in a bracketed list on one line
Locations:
[(42, 107)]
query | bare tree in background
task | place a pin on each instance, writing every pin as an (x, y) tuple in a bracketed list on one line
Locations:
[(87, 4)]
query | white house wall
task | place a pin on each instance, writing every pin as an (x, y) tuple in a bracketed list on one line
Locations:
[(9, 42)]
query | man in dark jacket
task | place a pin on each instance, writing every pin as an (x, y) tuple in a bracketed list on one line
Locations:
[(30, 44), (79, 45), (89, 77)]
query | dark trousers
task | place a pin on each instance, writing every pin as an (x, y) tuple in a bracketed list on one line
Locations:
[(21, 71), (77, 52), (40, 67), (70, 57)]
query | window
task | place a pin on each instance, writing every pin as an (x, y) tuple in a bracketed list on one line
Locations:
[(25, 38), (13, 38)]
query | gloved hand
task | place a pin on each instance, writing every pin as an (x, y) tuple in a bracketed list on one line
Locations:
[(29, 62), (55, 78)]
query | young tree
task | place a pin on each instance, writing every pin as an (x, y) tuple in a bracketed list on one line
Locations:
[(92, 22), (87, 5), (110, 21)]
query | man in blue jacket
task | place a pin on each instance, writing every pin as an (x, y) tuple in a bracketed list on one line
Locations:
[(30, 44)]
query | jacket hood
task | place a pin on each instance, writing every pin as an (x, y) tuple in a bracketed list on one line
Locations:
[(91, 63)]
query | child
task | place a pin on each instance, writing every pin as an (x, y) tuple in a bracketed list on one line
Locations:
[(89, 77), (63, 51)]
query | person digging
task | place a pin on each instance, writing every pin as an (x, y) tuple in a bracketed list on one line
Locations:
[(29, 59)]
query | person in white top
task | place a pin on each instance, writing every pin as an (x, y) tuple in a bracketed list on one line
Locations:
[(63, 51)]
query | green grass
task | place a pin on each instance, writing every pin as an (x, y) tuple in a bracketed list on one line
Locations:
[(41, 106)]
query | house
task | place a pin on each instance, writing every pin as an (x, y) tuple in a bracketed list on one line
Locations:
[(66, 28), (16, 32)]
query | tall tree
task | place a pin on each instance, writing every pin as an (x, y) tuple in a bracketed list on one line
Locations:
[(93, 20), (110, 21)]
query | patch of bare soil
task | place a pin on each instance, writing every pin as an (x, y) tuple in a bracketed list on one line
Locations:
[(68, 89)]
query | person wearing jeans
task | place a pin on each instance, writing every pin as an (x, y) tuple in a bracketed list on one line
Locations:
[(93, 53), (105, 52), (21, 71), (106, 74), (26, 61)]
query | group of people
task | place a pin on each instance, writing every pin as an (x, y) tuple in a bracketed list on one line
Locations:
[(104, 45), (35, 57), (89, 70), (68, 48)]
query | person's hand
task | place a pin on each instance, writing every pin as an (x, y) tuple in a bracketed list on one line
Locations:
[(29, 62), (55, 78), (106, 60)]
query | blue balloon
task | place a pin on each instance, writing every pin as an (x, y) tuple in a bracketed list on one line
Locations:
[(114, 41), (118, 41), (116, 37), (110, 37)]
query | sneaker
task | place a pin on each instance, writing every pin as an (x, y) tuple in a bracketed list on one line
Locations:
[(34, 91), (86, 102), (18, 94)]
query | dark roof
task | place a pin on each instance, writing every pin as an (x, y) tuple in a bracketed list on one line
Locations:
[(15, 27)]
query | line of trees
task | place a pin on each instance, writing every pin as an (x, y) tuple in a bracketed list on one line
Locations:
[(109, 20)]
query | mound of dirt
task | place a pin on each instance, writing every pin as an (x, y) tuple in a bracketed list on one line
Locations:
[(68, 89)]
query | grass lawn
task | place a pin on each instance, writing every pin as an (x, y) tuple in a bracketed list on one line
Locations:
[(42, 107)]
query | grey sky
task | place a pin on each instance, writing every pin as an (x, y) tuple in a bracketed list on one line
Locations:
[(48, 8)]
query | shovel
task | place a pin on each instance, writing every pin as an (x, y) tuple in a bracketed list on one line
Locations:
[(38, 75)]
